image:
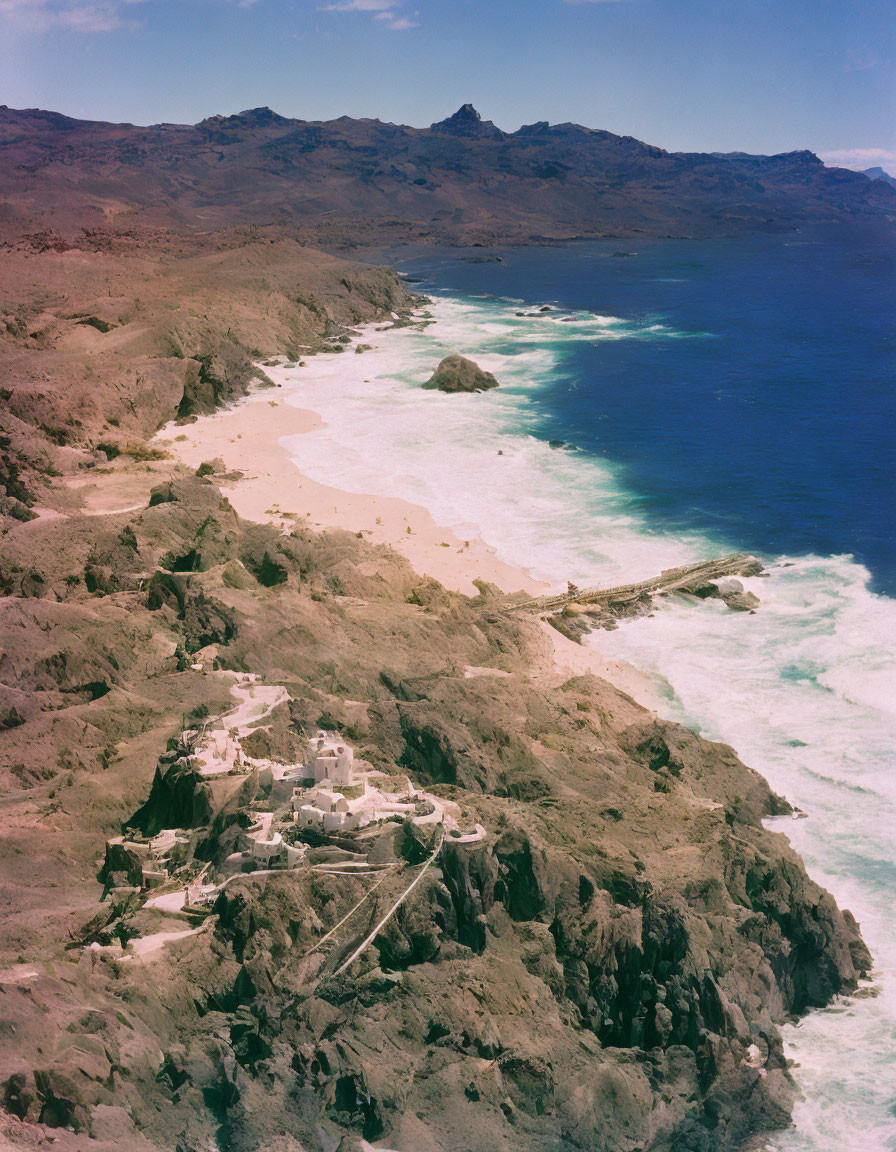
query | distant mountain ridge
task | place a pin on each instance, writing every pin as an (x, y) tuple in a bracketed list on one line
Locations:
[(353, 181), (877, 173)]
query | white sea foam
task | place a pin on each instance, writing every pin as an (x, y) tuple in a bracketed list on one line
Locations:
[(804, 692), (805, 689)]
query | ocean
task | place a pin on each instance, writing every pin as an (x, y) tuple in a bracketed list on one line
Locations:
[(680, 400)]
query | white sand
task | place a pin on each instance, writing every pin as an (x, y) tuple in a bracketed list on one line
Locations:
[(247, 438)]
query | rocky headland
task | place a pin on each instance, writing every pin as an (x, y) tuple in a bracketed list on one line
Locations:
[(101, 345), (606, 968)]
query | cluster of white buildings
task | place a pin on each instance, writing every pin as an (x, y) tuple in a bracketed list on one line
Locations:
[(326, 807), (334, 794), (333, 766), (322, 808)]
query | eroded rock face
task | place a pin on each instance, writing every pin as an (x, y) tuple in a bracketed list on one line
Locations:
[(458, 374)]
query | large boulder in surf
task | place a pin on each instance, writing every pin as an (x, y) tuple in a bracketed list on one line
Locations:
[(458, 374)]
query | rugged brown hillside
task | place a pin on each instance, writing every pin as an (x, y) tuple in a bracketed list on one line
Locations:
[(346, 182), (101, 342), (606, 970)]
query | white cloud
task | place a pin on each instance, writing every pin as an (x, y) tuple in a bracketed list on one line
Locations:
[(379, 6), (397, 23), (860, 158), (387, 12), (42, 15), (76, 15)]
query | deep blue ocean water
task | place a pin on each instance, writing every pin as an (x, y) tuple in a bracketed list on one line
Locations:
[(773, 426)]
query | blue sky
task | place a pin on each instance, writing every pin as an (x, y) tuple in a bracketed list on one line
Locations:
[(696, 75)]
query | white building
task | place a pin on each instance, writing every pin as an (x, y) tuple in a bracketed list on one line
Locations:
[(308, 816), (323, 808), (333, 761), (268, 850), (341, 821), (295, 854)]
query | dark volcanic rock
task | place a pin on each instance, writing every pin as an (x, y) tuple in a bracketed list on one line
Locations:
[(458, 374), (466, 121)]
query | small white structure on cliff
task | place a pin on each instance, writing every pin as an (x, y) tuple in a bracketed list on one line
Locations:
[(323, 808), (333, 761), (268, 848)]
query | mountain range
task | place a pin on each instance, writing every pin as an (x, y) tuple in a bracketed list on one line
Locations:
[(350, 182)]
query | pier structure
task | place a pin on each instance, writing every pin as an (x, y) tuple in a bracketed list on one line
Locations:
[(683, 579)]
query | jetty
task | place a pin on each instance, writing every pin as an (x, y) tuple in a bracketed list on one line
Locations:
[(683, 579)]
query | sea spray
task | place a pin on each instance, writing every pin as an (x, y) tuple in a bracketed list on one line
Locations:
[(803, 688)]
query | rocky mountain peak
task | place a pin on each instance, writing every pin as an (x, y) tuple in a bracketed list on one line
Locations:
[(466, 112), (877, 173), (466, 121), (263, 116), (250, 118)]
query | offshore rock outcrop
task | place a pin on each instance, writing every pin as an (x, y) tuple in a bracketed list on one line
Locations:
[(458, 374)]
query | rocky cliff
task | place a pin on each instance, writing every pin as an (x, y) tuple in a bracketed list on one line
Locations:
[(606, 970)]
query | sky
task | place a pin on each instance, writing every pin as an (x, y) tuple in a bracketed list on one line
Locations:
[(688, 75)]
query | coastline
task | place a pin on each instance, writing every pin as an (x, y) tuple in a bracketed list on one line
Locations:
[(264, 485), (248, 438), (258, 441), (665, 659)]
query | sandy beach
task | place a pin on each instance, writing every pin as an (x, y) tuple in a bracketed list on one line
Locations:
[(263, 484), (247, 438)]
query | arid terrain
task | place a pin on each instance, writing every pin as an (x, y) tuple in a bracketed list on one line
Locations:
[(607, 966)]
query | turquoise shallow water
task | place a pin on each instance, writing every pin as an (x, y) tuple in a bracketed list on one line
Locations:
[(804, 689)]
